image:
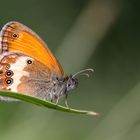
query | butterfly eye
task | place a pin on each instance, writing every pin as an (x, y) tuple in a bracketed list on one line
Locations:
[(29, 61), (9, 81), (9, 73), (15, 35)]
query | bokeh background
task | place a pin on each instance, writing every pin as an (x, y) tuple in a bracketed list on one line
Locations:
[(99, 34)]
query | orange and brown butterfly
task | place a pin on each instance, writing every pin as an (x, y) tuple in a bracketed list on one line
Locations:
[(27, 65)]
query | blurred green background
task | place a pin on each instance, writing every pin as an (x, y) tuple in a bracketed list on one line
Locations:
[(98, 34)]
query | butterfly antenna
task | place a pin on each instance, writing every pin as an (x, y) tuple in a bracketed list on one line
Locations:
[(83, 72)]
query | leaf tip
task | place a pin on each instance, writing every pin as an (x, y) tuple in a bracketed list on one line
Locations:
[(93, 113)]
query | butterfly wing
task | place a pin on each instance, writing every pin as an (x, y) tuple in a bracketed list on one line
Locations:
[(16, 37), (24, 74)]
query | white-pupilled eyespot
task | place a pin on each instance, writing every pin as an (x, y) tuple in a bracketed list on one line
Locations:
[(29, 61), (9, 73), (15, 35), (9, 81)]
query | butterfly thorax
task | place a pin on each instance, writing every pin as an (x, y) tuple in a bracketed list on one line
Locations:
[(58, 87), (54, 88)]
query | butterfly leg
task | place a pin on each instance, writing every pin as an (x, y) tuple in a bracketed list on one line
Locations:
[(57, 100), (49, 98), (66, 101)]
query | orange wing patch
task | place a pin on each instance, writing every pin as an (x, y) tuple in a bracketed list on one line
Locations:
[(16, 37)]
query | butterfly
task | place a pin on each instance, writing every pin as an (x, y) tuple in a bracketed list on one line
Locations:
[(27, 66)]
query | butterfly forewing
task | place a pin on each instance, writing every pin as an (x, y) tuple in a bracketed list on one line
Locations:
[(16, 37)]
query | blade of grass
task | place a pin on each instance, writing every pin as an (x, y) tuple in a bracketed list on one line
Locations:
[(44, 103)]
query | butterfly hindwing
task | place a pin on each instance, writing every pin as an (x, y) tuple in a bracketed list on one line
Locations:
[(24, 74)]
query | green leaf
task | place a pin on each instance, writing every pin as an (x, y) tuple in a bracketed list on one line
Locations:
[(44, 103)]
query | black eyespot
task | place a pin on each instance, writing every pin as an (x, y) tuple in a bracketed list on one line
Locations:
[(9, 81), (29, 61), (15, 35), (9, 73)]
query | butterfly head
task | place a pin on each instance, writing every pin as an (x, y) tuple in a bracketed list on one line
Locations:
[(72, 81)]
